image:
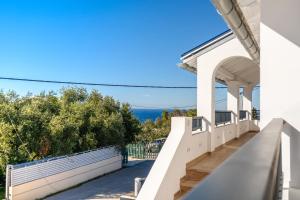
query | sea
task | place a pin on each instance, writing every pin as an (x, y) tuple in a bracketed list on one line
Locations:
[(143, 114)]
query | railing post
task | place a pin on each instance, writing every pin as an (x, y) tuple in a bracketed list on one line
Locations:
[(8, 182), (197, 123)]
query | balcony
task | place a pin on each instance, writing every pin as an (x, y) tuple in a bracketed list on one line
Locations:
[(187, 148), (209, 138), (198, 169), (258, 163)]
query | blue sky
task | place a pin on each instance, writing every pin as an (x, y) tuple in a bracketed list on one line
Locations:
[(107, 41)]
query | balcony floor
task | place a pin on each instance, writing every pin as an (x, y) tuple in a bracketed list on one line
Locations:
[(210, 161), (202, 166)]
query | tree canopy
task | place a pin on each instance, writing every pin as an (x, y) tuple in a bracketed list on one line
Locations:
[(35, 127)]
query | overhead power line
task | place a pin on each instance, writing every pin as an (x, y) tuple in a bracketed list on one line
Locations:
[(97, 84), (103, 84)]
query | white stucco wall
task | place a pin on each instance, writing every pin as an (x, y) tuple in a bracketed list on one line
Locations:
[(244, 126), (280, 61), (224, 133), (181, 146), (227, 132), (280, 69), (254, 125)]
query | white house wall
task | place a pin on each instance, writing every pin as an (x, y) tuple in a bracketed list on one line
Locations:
[(244, 126), (224, 133), (254, 125), (280, 64), (227, 132), (280, 61)]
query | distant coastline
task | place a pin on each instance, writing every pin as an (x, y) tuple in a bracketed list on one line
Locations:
[(144, 114)]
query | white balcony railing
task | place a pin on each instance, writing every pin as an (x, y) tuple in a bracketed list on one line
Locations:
[(250, 173), (189, 139)]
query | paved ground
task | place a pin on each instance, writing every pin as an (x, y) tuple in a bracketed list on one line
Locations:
[(108, 187)]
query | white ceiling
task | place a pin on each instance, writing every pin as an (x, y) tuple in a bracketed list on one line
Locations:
[(239, 69)]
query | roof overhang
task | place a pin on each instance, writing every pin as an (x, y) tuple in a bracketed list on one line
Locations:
[(189, 58), (242, 16), (225, 59)]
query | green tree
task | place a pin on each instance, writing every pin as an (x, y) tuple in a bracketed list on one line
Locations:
[(162, 125), (35, 127), (165, 116), (191, 113), (131, 124)]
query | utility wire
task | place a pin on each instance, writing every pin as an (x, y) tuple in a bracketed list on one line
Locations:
[(96, 84), (118, 85), (102, 84)]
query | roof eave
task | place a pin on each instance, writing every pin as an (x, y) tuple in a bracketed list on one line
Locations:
[(189, 56), (207, 46), (234, 17)]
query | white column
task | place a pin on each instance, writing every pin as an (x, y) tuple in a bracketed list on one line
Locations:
[(206, 101), (233, 103), (247, 98), (247, 104)]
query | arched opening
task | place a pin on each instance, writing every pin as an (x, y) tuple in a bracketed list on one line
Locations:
[(238, 75)]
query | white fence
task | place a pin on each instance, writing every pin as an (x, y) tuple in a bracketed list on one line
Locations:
[(37, 179)]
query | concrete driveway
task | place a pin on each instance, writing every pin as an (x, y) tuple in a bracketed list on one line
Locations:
[(107, 187)]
